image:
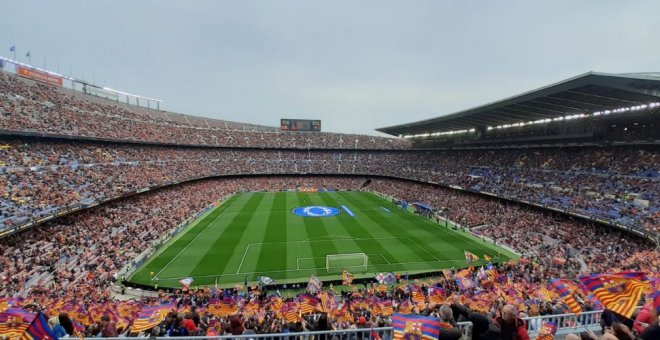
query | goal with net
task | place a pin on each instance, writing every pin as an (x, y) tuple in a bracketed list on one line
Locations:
[(336, 263)]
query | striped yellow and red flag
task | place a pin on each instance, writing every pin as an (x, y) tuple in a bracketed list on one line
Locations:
[(151, 316), (567, 294), (618, 292), (386, 308), (345, 314), (418, 296), (293, 313), (437, 296), (406, 307)]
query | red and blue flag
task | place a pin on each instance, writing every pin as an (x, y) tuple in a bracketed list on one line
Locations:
[(415, 327)]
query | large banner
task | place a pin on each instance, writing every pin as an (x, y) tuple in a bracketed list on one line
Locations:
[(38, 75)]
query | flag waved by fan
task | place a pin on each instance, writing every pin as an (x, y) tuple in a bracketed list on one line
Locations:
[(619, 292), (346, 278), (547, 331), (314, 285), (470, 257), (415, 327), (567, 294), (186, 282)]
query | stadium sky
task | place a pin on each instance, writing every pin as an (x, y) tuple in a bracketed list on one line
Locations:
[(357, 65)]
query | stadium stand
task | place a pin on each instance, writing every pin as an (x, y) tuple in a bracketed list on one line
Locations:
[(46, 177), (88, 184), (31, 107)]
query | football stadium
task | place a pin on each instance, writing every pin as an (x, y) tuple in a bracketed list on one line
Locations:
[(498, 200)]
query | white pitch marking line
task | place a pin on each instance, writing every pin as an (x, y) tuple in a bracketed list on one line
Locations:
[(193, 241), (424, 249), (293, 270), (329, 237), (330, 240), (456, 236), (243, 259), (298, 259)]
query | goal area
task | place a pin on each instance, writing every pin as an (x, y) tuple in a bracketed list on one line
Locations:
[(336, 263)]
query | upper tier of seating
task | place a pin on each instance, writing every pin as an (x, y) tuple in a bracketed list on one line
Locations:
[(29, 106)]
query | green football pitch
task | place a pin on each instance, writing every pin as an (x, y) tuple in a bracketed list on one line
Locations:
[(257, 234)]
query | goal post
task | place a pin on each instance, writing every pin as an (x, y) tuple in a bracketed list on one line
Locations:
[(336, 263)]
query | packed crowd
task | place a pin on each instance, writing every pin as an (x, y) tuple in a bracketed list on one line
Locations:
[(558, 242), (42, 177), (70, 261), (79, 255), (34, 107), (496, 310)]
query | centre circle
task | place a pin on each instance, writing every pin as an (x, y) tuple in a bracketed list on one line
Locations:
[(316, 211)]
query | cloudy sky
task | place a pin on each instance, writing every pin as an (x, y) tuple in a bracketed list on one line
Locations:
[(357, 65)]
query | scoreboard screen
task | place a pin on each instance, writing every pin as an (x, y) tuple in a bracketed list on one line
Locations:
[(300, 125)]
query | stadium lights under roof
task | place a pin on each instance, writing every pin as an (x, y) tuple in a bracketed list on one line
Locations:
[(635, 108), (586, 95)]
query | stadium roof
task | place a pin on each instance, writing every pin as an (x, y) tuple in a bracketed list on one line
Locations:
[(586, 93)]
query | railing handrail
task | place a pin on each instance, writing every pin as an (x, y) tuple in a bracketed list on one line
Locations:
[(567, 323)]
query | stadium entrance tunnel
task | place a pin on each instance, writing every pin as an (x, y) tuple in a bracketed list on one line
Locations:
[(316, 211)]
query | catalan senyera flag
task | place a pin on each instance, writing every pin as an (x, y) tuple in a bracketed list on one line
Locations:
[(328, 302), (437, 296), (618, 292), (293, 313), (308, 303), (470, 257), (406, 307), (567, 295), (345, 314), (346, 278), (492, 274), (487, 258), (547, 331), (151, 316), (409, 327), (252, 308), (386, 308), (418, 296)]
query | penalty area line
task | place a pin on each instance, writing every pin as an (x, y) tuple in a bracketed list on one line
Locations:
[(193, 241)]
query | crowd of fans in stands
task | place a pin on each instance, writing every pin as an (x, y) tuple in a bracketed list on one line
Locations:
[(79, 255), (34, 107), (42, 177)]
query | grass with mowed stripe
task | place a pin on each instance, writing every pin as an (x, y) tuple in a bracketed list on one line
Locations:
[(257, 234)]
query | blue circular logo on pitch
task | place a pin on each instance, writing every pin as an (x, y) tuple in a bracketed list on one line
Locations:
[(316, 211)]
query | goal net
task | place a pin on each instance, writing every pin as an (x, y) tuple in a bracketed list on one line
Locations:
[(336, 263)]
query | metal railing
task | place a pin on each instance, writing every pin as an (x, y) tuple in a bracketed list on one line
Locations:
[(385, 333), (566, 323)]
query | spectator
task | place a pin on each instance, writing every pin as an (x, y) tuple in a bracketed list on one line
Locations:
[(512, 327)]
